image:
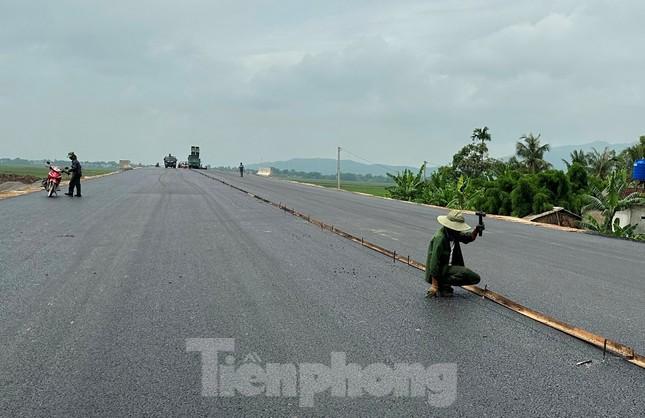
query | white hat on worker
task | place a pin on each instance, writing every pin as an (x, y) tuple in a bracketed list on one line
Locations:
[(454, 220)]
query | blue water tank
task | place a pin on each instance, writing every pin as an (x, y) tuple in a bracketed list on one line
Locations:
[(639, 170)]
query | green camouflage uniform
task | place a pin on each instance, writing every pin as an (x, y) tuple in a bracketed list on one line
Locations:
[(438, 264)]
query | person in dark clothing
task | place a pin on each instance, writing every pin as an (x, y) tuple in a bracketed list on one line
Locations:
[(76, 173), (241, 170), (445, 264)]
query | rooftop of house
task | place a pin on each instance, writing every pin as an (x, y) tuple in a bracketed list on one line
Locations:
[(556, 209)]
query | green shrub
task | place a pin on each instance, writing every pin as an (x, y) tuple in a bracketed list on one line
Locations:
[(522, 197)]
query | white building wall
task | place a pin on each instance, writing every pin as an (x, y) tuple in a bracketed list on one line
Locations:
[(638, 217), (635, 215)]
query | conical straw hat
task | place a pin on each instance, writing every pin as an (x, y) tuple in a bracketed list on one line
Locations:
[(454, 220)]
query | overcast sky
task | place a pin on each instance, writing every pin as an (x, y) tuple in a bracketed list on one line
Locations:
[(391, 81)]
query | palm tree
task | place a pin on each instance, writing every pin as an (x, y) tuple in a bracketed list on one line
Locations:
[(602, 163), (610, 200), (532, 153), (407, 186), (577, 156), (481, 135)]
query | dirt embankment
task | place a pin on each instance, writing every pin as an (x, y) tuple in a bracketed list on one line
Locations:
[(13, 188), (6, 177)]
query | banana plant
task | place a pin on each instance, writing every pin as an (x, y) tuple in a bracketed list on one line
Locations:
[(464, 194), (407, 186), (611, 200)]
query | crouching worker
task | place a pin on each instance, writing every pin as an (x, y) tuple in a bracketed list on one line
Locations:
[(445, 265)]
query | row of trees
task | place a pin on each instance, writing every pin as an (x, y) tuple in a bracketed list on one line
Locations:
[(39, 163), (526, 183)]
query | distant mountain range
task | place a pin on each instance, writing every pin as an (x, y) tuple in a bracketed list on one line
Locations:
[(327, 166)]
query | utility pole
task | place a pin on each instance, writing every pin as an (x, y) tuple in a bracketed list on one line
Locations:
[(425, 167), (338, 171)]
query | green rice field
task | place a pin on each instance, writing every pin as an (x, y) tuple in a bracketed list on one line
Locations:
[(36, 171), (376, 189)]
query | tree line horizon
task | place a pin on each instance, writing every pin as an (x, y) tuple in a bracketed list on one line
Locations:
[(527, 184)]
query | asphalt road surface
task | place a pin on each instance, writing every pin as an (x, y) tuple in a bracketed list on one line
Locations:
[(101, 296), (589, 281)]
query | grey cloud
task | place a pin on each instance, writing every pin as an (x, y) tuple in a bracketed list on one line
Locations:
[(265, 80)]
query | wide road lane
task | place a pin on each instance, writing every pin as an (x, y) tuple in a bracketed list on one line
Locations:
[(589, 281), (100, 295)]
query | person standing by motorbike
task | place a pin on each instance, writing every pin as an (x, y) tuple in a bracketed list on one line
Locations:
[(76, 172)]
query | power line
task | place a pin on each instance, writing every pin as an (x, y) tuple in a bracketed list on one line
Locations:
[(368, 161)]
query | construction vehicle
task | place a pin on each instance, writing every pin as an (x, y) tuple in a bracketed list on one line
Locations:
[(193, 158), (170, 161)]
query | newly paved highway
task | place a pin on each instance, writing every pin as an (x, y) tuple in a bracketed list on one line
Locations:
[(99, 296), (589, 281)]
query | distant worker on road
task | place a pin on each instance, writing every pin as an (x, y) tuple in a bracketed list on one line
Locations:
[(241, 170), (445, 264), (76, 173)]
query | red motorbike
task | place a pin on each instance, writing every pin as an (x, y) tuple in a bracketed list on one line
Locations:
[(54, 177)]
